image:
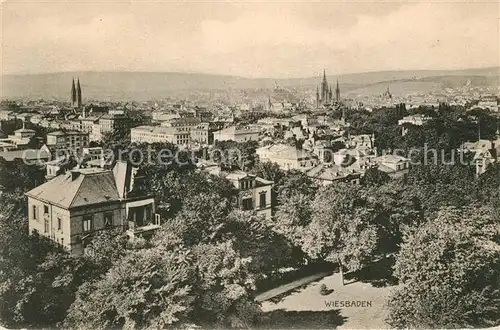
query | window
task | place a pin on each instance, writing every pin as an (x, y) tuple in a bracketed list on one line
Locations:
[(247, 204), (46, 226), (45, 209), (108, 220), (262, 200), (59, 224), (62, 241), (87, 223), (35, 216)]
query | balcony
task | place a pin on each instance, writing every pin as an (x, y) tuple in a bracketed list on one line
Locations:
[(146, 229)]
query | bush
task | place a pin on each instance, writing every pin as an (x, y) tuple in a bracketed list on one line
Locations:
[(324, 290)]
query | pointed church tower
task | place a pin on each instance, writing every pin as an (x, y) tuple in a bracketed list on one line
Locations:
[(78, 94), (337, 92), (324, 89), (317, 97), (330, 95), (73, 92)]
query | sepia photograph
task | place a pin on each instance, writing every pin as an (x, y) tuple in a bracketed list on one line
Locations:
[(249, 164)]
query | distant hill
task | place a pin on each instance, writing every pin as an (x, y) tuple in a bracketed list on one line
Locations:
[(157, 85)]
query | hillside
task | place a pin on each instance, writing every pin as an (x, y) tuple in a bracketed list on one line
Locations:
[(157, 85)]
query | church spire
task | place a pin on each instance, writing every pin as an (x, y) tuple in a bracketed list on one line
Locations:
[(317, 97), (324, 75), (337, 92), (73, 92), (78, 93)]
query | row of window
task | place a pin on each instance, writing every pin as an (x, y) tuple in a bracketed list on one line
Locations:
[(247, 184), (247, 203), (87, 223)]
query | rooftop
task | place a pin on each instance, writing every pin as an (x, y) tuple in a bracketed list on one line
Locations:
[(285, 151), (84, 187), (28, 154), (331, 172)]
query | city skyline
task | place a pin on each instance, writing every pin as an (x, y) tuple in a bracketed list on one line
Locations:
[(254, 40)]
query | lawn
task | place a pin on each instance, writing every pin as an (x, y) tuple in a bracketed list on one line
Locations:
[(306, 308)]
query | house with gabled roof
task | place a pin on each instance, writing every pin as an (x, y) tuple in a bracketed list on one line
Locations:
[(287, 157), (255, 193), (328, 173), (72, 207)]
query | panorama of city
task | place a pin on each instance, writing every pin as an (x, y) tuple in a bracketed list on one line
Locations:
[(208, 165)]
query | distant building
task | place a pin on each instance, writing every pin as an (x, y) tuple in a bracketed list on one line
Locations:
[(73, 141), (76, 94), (201, 134), (54, 167), (489, 102), (17, 141), (159, 134), (93, 153), (395, 166), (287, 157), (110, 123), (326, 174), (72, 207), (387, 94), (416, 120), (29, 156), (324, 94), (362, 142), (6, 115), (485, 152), (255, 192), (181, 131), (237, 133)]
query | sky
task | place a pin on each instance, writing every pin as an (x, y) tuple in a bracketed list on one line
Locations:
[(278, 39)]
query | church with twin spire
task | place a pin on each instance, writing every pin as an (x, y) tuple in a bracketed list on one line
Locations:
[(325, 97), (76, 94)]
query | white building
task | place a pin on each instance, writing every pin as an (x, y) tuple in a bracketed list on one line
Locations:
[(416, 120), (255, 193), (238, 134), (159, 134), (287, 157)]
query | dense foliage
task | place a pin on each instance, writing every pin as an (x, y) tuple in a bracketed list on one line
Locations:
[(449, 273)]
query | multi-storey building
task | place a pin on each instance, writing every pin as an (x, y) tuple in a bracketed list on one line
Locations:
[(238, 134), (201, 134), (73, 141), (415, 120), (255, 193), (159, 134), (72, 207), (328, 173), (109, 123), (395, 166), (288, 157), (17, 141)]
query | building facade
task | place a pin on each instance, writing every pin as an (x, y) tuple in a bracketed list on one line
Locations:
[(324, 93), (287, 157), (237, 133), (76, 94), (72, 207), (159, 134), (73, 141), (255, 193)]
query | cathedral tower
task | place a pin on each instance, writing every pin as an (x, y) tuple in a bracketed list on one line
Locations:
[(78, 94), (337, 92), (73, 93)]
